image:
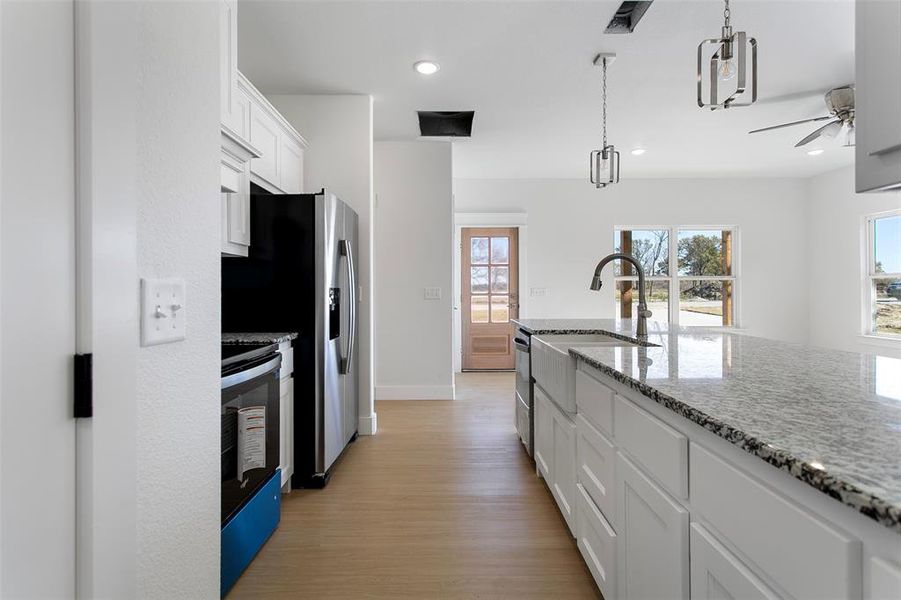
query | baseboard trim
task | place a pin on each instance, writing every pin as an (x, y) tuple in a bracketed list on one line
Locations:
[(368, 425), (414, 392)]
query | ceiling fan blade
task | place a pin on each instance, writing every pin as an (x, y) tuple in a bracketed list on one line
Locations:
[(830, 129), (793, 123)]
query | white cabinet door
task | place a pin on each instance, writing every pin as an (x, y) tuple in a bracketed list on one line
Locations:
[(292, 166), (563, 473), (717, 574), (265, 136), (652, 538), (236, 210), (228, 62), (544, 435), (878, 94)]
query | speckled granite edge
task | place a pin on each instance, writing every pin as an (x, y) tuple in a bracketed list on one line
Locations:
[(255, 339), (874, 507)]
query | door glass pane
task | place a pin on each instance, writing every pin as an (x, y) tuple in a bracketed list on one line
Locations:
[(705, 253), (478, 309), (500, 280), (500, 311), (626, 298), (500, 250), (649, 246), (479, 280), (887, 309), (887, 244), (705, 302), (479, 252)]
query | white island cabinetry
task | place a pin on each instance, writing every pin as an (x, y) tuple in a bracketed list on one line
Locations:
[(663, 508)]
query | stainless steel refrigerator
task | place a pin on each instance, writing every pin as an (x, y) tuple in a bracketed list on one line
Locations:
[(301, 276)]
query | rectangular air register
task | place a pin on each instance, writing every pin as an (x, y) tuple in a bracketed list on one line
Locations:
[(445, 123), (627, 17)]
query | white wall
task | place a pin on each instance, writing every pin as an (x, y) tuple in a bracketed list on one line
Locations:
[(571, 227), (179, 236), (413, 242), (834, 259), (149, 179), (339, 130)]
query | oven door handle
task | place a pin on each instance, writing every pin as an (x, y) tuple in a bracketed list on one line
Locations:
[(346, 362), (521, 345), (243, 376)]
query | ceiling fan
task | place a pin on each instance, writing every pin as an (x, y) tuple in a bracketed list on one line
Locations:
[(840, 103)]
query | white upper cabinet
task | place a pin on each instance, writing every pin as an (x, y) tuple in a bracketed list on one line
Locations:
[(228, 63), (878, 95), (279, 168)]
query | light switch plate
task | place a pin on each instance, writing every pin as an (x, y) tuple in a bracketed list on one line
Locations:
[(163, 312), (432, 293)]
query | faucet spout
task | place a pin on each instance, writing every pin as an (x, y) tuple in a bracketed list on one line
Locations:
[(643, 312)]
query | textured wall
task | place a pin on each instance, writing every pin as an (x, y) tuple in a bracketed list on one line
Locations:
[(178, 397)]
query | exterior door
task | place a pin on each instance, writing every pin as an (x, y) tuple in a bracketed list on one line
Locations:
[(37, 300), (490, 288)]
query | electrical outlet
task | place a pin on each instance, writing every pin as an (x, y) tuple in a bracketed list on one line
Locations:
[(432, 293), (537, 292)]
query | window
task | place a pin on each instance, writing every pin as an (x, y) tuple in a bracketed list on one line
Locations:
[(883, 283), (698, 290)]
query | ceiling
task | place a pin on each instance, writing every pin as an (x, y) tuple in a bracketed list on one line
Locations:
[(525, 68)]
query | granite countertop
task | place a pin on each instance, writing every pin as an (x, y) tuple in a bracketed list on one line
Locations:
[(256, 338), (831, 419)]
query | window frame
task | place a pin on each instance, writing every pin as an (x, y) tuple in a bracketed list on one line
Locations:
[(673, 278), (869, 275)]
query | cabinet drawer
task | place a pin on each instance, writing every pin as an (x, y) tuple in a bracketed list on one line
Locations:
[(597, 543), (596, 466), (717, 573), (660, 449), (594, 400), (812, 559)]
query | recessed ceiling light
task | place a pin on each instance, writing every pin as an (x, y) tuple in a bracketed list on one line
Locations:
[(816, 152), (638, 151), (426, 67)]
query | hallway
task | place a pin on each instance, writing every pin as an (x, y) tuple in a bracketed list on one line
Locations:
[(442, 503)]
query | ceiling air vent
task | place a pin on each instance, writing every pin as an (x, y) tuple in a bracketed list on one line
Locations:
[(627, 17), (445, 123)]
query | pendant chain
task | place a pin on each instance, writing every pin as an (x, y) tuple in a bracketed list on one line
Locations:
[(604, 105), (727, 14)]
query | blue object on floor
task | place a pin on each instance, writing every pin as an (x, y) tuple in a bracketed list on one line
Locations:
[(247, 531)]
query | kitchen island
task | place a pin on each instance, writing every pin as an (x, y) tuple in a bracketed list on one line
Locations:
[(736, 451)]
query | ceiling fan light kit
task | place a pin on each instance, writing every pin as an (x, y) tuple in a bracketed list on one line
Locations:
[(603, 164), (729, 62)]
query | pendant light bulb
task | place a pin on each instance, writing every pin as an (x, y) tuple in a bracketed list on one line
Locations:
[(727, 70)]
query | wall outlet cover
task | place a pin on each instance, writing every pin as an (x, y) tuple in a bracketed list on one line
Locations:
[(432, 293), (537, 292), (163, 312)]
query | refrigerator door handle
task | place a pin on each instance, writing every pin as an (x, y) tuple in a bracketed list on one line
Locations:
[(346, 250)]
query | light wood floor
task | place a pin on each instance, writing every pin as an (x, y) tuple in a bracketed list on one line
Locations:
[(442, 503)]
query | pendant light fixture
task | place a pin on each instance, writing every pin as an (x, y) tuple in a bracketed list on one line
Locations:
[(729, 63), (603, 164)]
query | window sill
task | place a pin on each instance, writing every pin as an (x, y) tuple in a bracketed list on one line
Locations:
[(880, 340)]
